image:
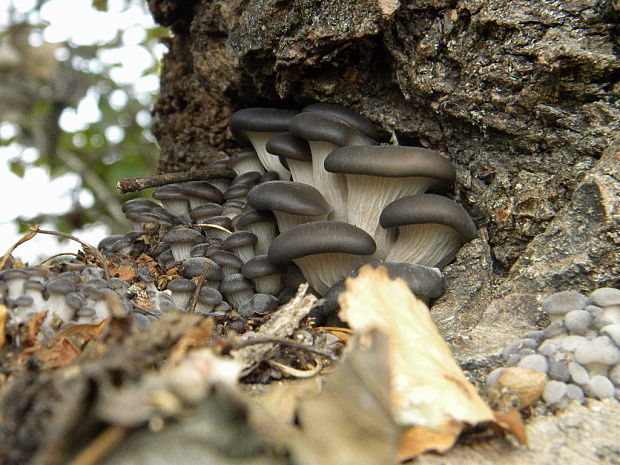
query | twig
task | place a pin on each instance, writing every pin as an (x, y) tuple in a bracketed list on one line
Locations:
[(136, 184), (86, 246), (284, 342), (25, 238), (199, 284), (101, 446)]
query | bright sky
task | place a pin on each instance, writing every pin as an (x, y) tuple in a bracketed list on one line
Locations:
[(53, 196)]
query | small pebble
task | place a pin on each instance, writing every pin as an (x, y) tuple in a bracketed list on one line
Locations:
[(558, 371), (574, 392), (555, 329), (554, 391), (570, 343), (578, 373), (518, 345), (601, 387), (513, 360), (594, 310), (526, 351), (578, 321), (614, 375), (534, 362), (549, 347), (493, 376)]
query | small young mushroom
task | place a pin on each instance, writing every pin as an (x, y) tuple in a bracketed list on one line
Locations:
[(208, 299), (266, 276), (328, 251), (255, 126), (262, 224), (56, 304), (14, 279), (324, 134), (250, 178), (292, 203), (245, 161), (172, 199), (182, 290), (236, 289), (233, 208), (194, 268), (217, 227), (181, 241), (205, 211), (431, 229), (241, 243), (228, 261), (377, 176)]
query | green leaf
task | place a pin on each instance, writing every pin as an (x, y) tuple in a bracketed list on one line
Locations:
[(100, 5), (18, 168)]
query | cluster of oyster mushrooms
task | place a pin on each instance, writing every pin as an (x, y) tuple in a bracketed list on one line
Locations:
[(579, 351), (315, 197)]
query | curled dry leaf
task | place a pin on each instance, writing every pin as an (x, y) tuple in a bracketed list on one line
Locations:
[(527, 384), (429, 390)]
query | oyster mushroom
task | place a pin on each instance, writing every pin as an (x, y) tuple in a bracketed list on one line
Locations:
[(431, 229), (255, 126), (324, 251), (376, 176)]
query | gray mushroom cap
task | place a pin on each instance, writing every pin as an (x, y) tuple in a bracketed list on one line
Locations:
[(348, 115), (424, 281), (314, 126), (209, 296), (139, 202), (201, 189), (393, 161), (239, 239), (289, 197), (258, 120), (268, 176), (187, 236), (195, 267), (169, 192), (226, 259), (238, 191), (254, 216), (60, 286), (260, 266), (320, 237), (106, 243), (205, 211), (182, 285), (250, 178), (288, 145), (428, 209)]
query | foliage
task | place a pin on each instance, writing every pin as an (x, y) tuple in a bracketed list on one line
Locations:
[(41, 83)]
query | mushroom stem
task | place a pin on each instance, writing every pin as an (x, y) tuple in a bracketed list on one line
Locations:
[(333, 186), (431, 245), (270, 162), (368, 196), (323, 270), (301, 171)]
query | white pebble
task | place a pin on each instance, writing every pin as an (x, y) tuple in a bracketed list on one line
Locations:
[(548, 347), (493, 376), (570, 343), (554, 391), (601, 387), (613, 331), (594, 310), (578, 321), (578, 373), (574, 392), (534, 362), (614, 375)]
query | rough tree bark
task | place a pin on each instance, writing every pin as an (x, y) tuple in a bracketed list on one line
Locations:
[(522, 96)]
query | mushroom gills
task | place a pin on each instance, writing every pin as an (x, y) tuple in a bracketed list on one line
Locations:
[(333, 186), (433, 245), (323, 270), (270, 162)]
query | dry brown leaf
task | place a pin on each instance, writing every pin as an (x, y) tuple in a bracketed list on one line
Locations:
[(3, 313), (512, 421), (198, 336), (350, 421), (418, 439), (124, 271), (428, 387)]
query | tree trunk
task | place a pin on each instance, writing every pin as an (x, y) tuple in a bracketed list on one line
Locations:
[(520, 95)]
